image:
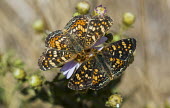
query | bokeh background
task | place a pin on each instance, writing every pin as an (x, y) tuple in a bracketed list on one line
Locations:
[(146, 82)]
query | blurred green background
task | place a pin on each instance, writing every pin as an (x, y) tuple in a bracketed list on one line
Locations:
[(146, 82)]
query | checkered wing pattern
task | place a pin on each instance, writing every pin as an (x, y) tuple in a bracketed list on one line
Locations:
[(87, 30), (77, 28), (121, 49), (82, 78), (91, 74), (117, 55), (97, 27), (59, 51), (100, 77), (59, 41), (104, 67), (54, 58)]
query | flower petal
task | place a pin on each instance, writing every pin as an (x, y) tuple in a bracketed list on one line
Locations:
[(71, 71), (65, 72), (98, 48), (68, 66), (100, 41), (100, 10)]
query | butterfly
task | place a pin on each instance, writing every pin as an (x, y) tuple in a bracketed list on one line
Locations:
[(104, 66), (78, 36)]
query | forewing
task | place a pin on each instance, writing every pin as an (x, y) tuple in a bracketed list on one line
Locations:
[(59, 41), (77, 28), (87, 30), (97, 27)]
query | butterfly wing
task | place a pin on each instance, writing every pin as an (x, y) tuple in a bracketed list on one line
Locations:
[(53, 58), (87, 30), (118, 54), (104, 66), (91, 74), (59, 51), (97, 27)]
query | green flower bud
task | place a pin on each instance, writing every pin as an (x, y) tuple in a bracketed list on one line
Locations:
[(114, 101), (78, 99), (39, 25), (18, 63), (83, 7), (35, 81), (19, 74), (116, 37), (128, 18), (76, 14)]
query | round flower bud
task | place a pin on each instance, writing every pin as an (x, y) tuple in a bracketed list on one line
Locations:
[(114, 101), (99, 10), (19, 74), (83, 7), (35, 81), (39, 25), (116, 37), (18, 62), (128, 18)]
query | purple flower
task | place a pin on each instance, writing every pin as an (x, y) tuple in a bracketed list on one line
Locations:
[(99, 10), (71, 66)]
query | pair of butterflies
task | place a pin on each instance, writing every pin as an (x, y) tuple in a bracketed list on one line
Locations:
[(74, 42)]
